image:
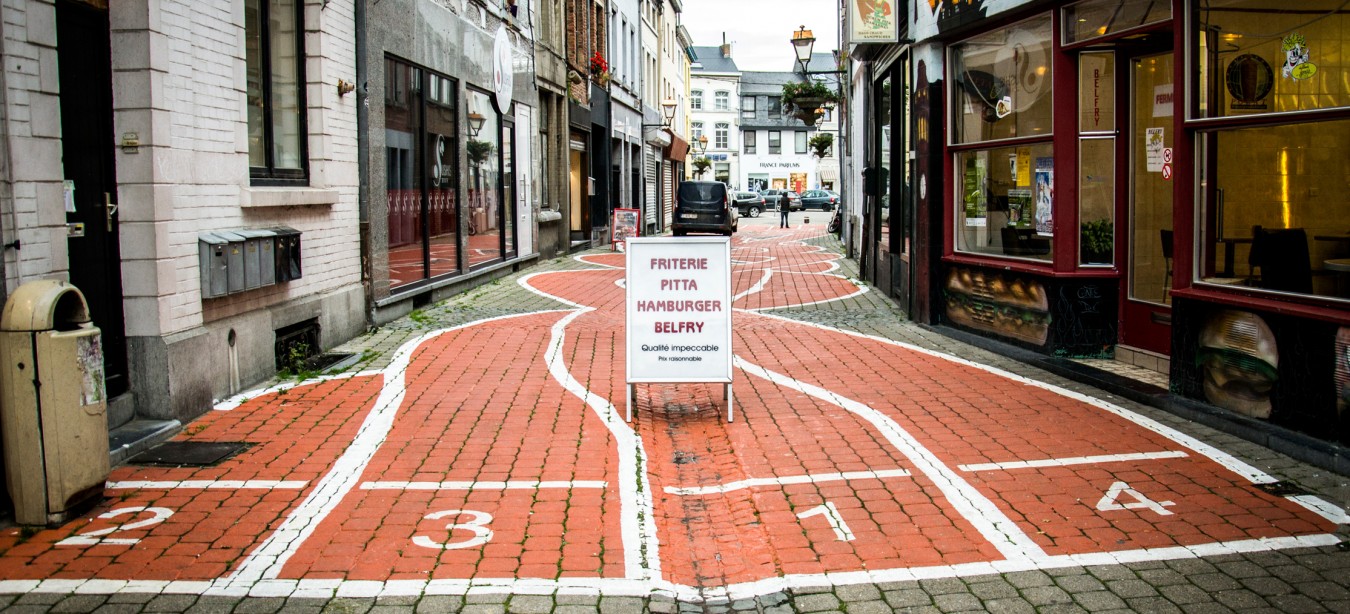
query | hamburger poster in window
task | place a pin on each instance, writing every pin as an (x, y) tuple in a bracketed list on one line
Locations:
[(1013, 307)]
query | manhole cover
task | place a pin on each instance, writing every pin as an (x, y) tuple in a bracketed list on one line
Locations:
[(1283, 489), (189, 453)]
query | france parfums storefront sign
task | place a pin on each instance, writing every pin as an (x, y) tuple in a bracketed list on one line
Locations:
[(679, 309)]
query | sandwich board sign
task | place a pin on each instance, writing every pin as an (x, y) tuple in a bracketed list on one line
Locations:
[(678, 312)]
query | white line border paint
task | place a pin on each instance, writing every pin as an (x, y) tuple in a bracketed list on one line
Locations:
[(1078, 460), (239, 399), (1228, 461), (510, 485), (642, 556), (819, 478), (994, 525), (267, 560), (329, 588), (209, 485)]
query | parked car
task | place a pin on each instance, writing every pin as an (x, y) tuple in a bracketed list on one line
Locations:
[(703, 206), (824, 200), (748, 204), (771, 197)]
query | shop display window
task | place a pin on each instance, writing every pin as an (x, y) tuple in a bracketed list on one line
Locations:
[(421, 144), (485, 199), (1271, 121), (1002, 84), (1101, 18), (1004, 161), (1096, 158), (1007, 198)]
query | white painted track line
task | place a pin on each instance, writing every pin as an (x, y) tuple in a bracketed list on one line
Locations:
[(784, 481), (210, 484), (512, 485), (1078, 460)]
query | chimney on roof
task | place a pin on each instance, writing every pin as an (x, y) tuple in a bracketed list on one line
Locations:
[(726, 47)]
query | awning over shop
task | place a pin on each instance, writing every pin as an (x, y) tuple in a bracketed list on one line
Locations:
[(658, 137), (678, 148), (829, 173)]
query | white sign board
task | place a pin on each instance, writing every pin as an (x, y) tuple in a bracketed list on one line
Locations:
[(503, 70), (679, 309)]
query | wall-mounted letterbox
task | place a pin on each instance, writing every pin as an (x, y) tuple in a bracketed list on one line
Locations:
[(287, 253), (211, 258), (234, 260), (259, 258)]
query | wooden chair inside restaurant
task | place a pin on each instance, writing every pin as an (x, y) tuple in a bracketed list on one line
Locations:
[(1166, 237), (1281, 255)]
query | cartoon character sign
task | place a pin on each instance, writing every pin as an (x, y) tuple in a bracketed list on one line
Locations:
[(1297, 58)]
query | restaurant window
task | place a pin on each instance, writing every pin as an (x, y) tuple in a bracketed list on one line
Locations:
[(721, 101), (1096, 158), (720, 135), (1001, 141), (274, 50), (750, 137), (1274, 214), (421, 173), (748, 107), (799, 144), (775, 142), (696, 100)]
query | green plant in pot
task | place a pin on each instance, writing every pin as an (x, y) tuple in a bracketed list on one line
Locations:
[(804, 98), (701, 165), (1097, 242)]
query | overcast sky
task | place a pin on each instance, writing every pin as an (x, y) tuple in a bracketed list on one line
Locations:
[(759, 30)]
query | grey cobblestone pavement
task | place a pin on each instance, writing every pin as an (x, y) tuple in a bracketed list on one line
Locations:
[(1302, 580)]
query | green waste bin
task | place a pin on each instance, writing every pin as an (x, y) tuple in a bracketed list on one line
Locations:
[(53, 407)]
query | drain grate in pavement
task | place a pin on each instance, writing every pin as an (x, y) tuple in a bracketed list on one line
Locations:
[(324, 361), (189, 453), (1283, 488)]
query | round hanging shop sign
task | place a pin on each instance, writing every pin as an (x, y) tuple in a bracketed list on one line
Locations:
[(503, 74)]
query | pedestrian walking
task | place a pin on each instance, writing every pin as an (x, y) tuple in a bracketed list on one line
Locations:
[(783, 205)]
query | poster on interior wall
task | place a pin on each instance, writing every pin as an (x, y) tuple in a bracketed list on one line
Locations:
[(972, 184), (873, 21), (1021, 206), (625, 227), (1153, 148), (1297, 58), (1045, 195), (1162, 100), (1023, 173)]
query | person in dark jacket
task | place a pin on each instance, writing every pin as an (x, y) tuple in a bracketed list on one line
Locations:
[(783, 205)]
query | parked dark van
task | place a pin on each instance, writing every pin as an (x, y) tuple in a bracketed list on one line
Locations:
[(704, 206)]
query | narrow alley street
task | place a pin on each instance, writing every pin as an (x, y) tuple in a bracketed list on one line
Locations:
[(476, 458)]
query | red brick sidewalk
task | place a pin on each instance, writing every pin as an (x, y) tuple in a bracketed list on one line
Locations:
[(493, 454)]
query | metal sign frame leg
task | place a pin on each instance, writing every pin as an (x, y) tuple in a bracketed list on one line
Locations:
[(730, 401), (629, 398)]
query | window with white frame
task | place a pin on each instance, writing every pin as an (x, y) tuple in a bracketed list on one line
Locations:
[(721, 101), (696, 100), (696, 129), (720, 133)]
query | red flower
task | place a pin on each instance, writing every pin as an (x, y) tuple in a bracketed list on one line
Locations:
[(598, 64)]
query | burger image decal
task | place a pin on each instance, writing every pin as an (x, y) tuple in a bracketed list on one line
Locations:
[(1016, 308), (1240, 362)]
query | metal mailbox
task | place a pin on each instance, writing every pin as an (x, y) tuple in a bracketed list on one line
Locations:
[(259, 258), (213, 264), (287, 254), (234, 260)]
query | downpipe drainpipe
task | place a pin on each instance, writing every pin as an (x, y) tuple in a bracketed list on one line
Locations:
[(363, 156)]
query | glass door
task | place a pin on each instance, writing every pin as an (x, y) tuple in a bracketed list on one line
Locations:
[(1146, 314)]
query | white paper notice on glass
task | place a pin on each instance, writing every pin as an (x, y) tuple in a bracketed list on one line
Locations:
[(1153, 147), (68, 190), (678, 311)]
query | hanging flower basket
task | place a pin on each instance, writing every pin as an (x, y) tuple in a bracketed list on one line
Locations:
[(803, 99)]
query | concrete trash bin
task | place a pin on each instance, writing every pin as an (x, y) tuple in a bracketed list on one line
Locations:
[(53, 407)]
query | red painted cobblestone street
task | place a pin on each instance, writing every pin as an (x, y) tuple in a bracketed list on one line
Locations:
[(496, 454)]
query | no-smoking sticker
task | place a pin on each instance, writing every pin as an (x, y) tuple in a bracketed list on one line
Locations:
[(1167, 171)]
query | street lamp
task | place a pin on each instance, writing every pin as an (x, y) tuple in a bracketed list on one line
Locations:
[(700, 144), (667, 112), (802, 42), (476, 120)]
